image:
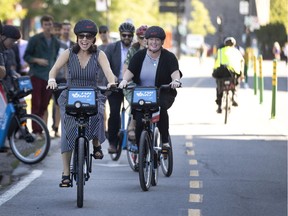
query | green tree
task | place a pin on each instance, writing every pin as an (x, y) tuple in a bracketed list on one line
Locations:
[(279, 12), (200, 20), (10, 9)]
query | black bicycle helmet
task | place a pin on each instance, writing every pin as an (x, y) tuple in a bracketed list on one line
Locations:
[(155, 32), (11, 31), (87, 26), (127, 27)]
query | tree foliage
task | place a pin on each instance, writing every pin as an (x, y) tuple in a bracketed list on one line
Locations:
[(10, 10), (279, 12), (200, 23)]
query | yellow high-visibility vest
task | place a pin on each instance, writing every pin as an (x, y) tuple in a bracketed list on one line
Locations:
[(231, 57)]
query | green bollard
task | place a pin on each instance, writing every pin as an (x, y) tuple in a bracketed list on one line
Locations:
[(261, 83), (255, 75), (274, 89)]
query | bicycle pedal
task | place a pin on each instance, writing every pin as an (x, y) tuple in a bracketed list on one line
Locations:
[(157, 148)]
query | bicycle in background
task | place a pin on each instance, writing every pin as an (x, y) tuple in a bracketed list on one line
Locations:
[(25, 145), (227, 86)]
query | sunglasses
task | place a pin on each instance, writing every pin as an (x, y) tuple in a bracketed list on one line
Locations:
[(127, 35), (102, 32), (88, 36)]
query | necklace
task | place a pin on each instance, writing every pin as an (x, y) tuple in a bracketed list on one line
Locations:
[(153, 60)]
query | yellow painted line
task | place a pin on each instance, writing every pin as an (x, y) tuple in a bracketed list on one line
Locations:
[(196, 184), (190, 152), (196, 198), (194, 173), (193, 162), (194, 212), (189, 144)]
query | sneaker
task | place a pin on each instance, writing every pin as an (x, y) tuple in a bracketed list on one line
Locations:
[(112, 149), (219, 110), (234, 103), (166, 145)]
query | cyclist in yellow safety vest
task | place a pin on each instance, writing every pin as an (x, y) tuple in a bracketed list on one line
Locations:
[(229, 63)]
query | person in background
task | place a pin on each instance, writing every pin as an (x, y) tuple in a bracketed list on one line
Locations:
[(229, 63), (116, 53), (139, 45), (41, 54), (155, 66), (104, 36), (285, 52), (83, 61), (276, 50), (61, 78)]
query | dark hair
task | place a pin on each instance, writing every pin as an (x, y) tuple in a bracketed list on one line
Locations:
[(103, 28), (57, 25), (46, 18), (92, 49)]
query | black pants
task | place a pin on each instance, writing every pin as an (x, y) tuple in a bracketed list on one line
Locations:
[(163, 125), (114, 122)]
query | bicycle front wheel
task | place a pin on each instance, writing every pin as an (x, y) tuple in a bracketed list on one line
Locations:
[(145, 161), (80, 172), (25, 145), (132, 155), (166, 160)]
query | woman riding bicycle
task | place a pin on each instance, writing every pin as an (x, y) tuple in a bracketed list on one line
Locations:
[(155, 66), (82, 62)]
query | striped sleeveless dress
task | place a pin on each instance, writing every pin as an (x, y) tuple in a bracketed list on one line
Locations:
[(85, 77)]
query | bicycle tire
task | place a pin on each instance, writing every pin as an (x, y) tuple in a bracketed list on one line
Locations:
[(156, 154), (226, 106), (26, 147), (80, 172), (166, 161), (132, 156), (145, 161)]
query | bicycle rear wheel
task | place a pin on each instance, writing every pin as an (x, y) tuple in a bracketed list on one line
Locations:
[(80, 179), (226, 106), (166, 161), (116, 156), (25, 145), (145, 161)]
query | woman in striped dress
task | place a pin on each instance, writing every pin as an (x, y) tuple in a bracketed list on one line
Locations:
[(83, 62)]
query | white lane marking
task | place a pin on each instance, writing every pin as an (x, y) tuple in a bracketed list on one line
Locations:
[(20, 186), (196, 184), (194, 173), (193, 162), (190, 152), (196, 198), (194, 212), (112, 165)]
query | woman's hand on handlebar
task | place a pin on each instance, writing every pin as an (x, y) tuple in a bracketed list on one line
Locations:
[(111, 85), (122, 84), (51, 84)]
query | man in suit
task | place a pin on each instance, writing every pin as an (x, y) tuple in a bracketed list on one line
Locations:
[(116, 53)]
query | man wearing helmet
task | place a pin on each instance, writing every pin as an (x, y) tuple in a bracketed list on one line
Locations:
[(139, 45), (41, 53), (229, 63), (155, 66), (116, 53)]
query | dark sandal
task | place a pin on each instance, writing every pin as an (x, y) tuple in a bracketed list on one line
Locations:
[(65, 182), (97, 152)]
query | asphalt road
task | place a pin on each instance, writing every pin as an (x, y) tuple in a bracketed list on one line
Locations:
[(219, 170)]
